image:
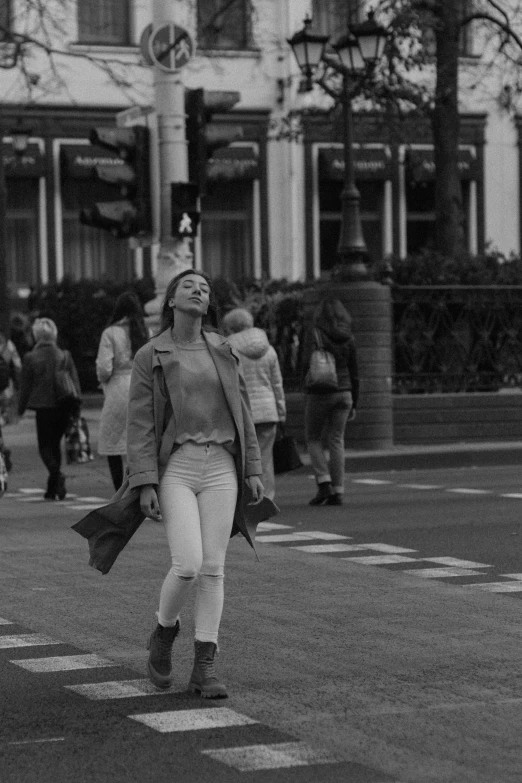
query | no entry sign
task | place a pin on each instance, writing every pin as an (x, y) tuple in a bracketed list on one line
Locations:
[(170, 47)]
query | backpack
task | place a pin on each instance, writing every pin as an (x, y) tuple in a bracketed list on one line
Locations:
[(322, 371), (5, 373)]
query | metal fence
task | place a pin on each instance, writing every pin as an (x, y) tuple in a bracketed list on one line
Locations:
[(456, 338)]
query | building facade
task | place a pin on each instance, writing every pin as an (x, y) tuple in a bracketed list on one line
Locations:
[(272, 207)]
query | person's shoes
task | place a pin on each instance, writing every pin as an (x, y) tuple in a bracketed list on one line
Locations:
[(61, 492), (336, 499), (203, 679), (50, 492), (324, 491), (159, 664)]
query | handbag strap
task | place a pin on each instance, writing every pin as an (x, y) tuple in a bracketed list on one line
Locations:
[(318, 339)]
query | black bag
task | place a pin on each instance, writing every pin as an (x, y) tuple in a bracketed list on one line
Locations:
[(286, 456), (77, 441), (322, 372), (5, 373), (64, 387)]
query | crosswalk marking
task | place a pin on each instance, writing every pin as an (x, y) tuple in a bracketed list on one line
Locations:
[(371, 481), (273, 526), (92, 499), (498, 587), (84, 507), (463, 491), (381, 559), (193, 720), (388, 549), (3, 621), (250, 758), (454, 561), (30, 491), (63, 663), (322, 549), (516, 495), (442, 573), (284, 537), (122, 689), (513, 576), (25, 640), (420, 486)]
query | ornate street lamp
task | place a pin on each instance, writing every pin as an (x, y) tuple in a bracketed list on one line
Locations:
[(358, 51)]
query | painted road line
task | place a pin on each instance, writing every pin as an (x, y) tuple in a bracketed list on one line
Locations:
[(84, 507), (513, 576), (420, 486), (442, 573), (91, 500), (516, 495), (454, 561), (498, 587), (25, 640), (33, 499), (323, 549), (30, 491), (36, 741), (371, 481), (464, 491), (12, 494), (273, 526), (122, 689), (63, 663), (388, 549), (284, 537), (374, 560), (3, 621), (193, 720), (251, 758)]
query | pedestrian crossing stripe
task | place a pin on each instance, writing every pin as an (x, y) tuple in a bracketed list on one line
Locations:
[(25, 640), (122, 689), (374, 560), (498, 587), (3, 621), (281, 538), (62, 663), (193, 720), (251, 758), (442, 573)]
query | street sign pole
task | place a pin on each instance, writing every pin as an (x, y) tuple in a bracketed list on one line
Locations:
[(174, 254)]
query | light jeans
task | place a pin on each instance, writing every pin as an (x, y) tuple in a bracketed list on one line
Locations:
[(197, 497), (327, 414), (266, 435)]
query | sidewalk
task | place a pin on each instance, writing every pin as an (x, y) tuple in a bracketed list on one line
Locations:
[(421, 457)]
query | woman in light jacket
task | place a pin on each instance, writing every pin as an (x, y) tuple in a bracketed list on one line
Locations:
[(191, 447), (125, 334), (264, 385)]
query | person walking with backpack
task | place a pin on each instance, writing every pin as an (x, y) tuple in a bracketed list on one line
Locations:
[(38, 391), (329, 405), (124, 335)]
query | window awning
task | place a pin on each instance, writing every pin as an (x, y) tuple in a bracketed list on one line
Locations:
[(231, 163), (30, 164), (369, 163), (421, 165), (78, 160)]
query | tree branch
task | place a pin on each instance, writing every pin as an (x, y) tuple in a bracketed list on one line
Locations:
[(506, 28)]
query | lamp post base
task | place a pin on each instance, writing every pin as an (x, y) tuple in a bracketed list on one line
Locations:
[(369, 304)]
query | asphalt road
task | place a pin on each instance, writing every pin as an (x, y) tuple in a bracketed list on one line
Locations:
[(350, 651)]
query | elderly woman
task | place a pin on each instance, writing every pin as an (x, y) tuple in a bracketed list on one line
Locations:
[(264, 385), (38, 392)]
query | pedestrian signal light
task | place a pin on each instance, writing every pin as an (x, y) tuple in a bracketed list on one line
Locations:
[(131, 214), (185, 214)]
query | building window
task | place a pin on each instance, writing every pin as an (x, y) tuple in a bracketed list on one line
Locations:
[(104, 22), (420, 220), (227, 230), (372, 219), (224, 24), (22, 221), (333, 16), (5, 19)]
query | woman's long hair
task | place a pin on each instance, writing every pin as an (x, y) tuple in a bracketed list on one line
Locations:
[(210, 320), (129, 306), (333, 317)]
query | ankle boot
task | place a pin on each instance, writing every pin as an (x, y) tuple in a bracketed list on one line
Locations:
[(203, 679), (324, 490), (50, 493), (160, 658), (60, 487)]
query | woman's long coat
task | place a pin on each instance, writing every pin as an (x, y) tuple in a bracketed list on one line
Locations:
[(155, 411)]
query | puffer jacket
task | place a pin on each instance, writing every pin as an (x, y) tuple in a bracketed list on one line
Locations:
[(262, 375)]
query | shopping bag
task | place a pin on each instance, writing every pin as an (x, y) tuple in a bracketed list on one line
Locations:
[(285, 454)]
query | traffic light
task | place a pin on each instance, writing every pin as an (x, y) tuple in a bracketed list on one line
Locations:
[(131, 214), (185, 215), (205, 136)]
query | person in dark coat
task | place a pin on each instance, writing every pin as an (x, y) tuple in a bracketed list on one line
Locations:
[(192, 451), (326, 411), (37, 392)]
